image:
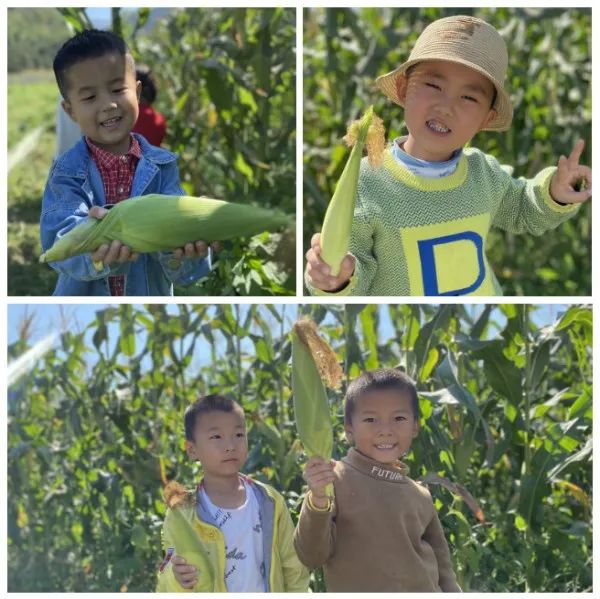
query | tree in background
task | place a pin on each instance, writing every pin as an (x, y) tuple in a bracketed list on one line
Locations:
[(95, 431), (549, 79)]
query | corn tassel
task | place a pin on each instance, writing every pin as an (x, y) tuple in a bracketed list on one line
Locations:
[(335, 233), (154, 223), (312, 361)]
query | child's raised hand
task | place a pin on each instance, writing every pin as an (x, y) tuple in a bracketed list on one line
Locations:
[(318, 473), (569, 173), (317, 271), (185, 574), (198, 249), (116, 251)]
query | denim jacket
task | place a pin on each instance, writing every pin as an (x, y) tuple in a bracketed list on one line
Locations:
[(74, 185)]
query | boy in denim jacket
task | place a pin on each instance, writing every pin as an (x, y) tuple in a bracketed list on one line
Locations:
[(96, 76)]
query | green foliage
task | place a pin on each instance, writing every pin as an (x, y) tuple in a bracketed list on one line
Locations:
[(230, 104), (95, 429), (34, 37), (550, 85)]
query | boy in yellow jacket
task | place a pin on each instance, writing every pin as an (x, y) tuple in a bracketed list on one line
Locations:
[(231, 533)]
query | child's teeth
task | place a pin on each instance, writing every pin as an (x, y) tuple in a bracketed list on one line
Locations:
[(437, 127)]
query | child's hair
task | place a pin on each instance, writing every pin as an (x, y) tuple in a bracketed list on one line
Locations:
[(143, 74), (208, 403), (382, 379), (90, 43)]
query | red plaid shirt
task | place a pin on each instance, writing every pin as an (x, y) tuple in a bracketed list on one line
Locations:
[(117, 177)]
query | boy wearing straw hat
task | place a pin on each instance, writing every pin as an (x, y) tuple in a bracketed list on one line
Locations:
[(421, 221)]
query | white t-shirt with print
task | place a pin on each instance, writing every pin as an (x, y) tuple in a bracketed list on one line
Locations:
[(242, 529)]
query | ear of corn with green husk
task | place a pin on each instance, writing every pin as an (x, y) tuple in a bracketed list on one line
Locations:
[(335, 234), (155, 222), (189, 546), (312, 362)]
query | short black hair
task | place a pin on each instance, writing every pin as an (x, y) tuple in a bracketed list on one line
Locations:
[(205, 404), (89, 43), (380, 380)]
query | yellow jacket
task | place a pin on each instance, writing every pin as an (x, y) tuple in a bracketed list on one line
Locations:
[(201, 544)]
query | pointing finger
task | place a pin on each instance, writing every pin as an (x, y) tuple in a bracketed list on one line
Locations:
[(575, 155)]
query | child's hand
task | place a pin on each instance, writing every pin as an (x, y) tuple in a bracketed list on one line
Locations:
[(198, 249), (569, 174), (116, 251), (317, 271), (318, 473), (185, 575)]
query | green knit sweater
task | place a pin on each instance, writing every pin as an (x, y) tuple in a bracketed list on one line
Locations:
[(418, 236)]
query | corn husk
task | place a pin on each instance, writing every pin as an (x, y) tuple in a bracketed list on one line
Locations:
[(313, 361), (155, 222), (337, 226), (190, 546)]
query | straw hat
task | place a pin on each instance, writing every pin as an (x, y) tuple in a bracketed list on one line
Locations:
[(465, 40)]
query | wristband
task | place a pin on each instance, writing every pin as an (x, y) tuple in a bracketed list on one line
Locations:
[(313, 507)]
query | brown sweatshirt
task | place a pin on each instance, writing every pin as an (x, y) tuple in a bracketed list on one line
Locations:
[(382, 534)]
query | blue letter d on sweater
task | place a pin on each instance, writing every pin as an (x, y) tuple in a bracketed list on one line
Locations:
[(429, 268)]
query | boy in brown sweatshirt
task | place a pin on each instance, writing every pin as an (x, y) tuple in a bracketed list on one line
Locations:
[(382, 532)]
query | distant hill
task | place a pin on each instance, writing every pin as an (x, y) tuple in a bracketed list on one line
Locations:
[(34, 36)]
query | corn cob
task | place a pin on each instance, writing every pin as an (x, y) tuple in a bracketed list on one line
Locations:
[(312, 361), (155, 222), (335, 233)]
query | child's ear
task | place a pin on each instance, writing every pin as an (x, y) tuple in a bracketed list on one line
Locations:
[(415, 430), (492, 114), (191, 450), (349, 436), (138, 89), (66, 106), (401, 85)]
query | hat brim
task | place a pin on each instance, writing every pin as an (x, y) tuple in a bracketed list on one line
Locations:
[(393, 84)]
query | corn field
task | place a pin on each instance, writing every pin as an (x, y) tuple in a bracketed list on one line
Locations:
[(95, 430)]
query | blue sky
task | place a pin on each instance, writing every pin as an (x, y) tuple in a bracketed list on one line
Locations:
[(98, 16), (48, 318)]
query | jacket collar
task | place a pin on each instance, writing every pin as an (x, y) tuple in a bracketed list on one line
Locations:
[(393, 473), (75, 162)]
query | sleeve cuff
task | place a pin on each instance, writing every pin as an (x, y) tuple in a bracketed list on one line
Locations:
[(545, 177)]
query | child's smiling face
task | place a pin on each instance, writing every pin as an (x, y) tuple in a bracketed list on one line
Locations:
[(220, 442), (445, 105), (383, 425), (103, 99)]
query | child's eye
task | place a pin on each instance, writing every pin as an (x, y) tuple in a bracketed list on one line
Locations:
[(121, 89), (241, 435), (400, 418), (470, 98), (88, 98), (215, 437), (428, 84), (369, 419)]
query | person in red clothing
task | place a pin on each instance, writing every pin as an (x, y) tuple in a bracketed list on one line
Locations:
[(150, 123)]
